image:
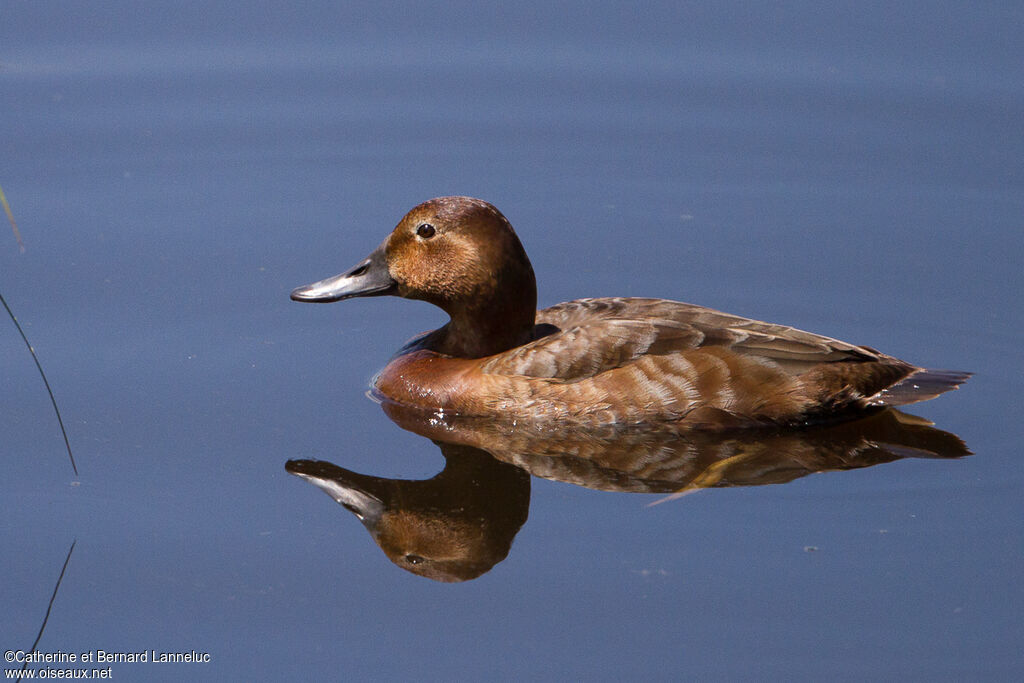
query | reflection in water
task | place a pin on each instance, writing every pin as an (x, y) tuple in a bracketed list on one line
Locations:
[(453, 527), (49, 606), (459, 524)]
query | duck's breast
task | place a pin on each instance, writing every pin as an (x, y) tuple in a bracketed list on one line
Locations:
[(428, 379)]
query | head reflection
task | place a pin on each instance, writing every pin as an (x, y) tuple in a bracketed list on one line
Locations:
[(457, 525), (452, 527)]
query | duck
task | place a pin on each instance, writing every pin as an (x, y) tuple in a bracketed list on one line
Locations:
[(598, 361)]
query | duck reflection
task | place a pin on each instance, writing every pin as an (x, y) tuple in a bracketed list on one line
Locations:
[(460, 523), (453, 527)]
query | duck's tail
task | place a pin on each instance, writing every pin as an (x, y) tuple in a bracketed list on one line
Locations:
[(920, 386)]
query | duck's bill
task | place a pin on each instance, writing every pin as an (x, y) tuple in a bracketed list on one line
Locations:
[(370, 277), (350, 489)]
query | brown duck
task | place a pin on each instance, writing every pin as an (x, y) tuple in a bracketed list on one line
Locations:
[(599, 361)]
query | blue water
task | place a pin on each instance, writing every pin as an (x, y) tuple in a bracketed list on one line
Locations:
[(175, 170)]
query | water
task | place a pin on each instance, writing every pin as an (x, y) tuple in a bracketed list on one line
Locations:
[(176, 171)]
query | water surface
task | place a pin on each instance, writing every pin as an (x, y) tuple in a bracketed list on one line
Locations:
[(175, 172)]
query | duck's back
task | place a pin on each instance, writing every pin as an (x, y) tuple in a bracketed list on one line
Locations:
[(641, 360)]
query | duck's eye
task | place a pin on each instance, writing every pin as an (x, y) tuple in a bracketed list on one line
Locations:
[(425, 230), (414, 559)]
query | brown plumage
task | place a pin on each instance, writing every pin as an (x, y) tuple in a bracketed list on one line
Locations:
[(599, 361)]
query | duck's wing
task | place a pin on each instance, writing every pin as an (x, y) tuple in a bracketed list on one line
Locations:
[(589, 336)]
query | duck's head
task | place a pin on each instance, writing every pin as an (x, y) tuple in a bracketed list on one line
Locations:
[(460, 254)]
